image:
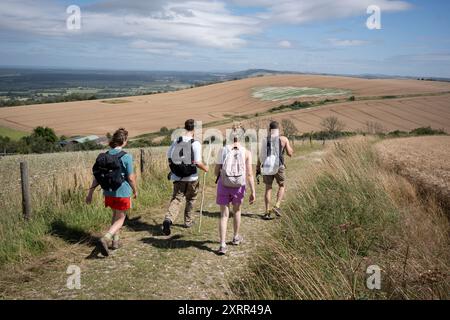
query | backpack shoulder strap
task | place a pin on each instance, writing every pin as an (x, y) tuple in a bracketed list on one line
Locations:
[(269, 145), (192, 151), (121, 154), (180, 139)]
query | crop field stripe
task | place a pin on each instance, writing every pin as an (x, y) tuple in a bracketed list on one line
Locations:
[(441, 110), (396, 114), (410, 110), (381, 114), (443, 107), (427, 113), (347, 116), (393, 124), (382, 108)]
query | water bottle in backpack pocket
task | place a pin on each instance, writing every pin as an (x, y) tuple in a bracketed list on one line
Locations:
[(270, 166), (273, 159), (108, 171), (233, 168)]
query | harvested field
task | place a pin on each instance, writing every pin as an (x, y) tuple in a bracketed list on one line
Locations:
[(424, 160), (149, 113), (392, 114)]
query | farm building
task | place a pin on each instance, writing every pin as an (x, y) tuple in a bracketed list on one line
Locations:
[(79, 140)]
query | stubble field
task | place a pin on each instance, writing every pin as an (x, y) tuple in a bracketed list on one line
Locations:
[(424, 160)]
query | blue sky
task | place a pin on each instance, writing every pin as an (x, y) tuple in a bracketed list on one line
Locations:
[(327, 36)]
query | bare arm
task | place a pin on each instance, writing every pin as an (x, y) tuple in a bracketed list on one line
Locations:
[(250, 179), (289, 149), (94, 185), (202, 166), (132, 182)]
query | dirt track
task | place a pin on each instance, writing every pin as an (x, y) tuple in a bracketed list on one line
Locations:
[(149, 113)]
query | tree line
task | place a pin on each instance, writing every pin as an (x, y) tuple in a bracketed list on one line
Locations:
[(42, 140)]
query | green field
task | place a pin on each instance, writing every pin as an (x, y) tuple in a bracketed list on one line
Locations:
[(287, 93), (11, 133)]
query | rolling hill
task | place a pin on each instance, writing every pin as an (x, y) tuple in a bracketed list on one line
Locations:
[(393, 103)]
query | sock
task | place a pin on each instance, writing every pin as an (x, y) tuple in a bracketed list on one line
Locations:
[(278, 204), (268, 210), (223, 244), (108, 236), (116, 237)]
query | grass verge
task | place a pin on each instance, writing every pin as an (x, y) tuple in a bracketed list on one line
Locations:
[(60, 213), (350, 213)]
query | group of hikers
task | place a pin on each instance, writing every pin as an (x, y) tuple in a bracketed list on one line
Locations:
[(113, 172)]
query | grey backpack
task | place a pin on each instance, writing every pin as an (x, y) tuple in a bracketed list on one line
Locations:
[(233, 168)]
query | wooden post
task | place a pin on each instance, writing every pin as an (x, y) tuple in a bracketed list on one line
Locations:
[(75, 180), (310, 139), (26, 199), (323, 141), (142, 161)]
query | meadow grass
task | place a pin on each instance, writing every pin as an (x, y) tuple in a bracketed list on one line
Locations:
[(286, 93), (349, 213), (12, 133), (59, 185)]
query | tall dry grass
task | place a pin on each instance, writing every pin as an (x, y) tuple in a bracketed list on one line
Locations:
[(59, 184), (346, 214)]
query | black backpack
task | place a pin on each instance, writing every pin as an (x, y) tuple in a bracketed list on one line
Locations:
[(108, 171), (180, 164)]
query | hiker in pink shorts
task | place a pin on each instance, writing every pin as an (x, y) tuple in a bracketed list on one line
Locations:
[(233, 171)]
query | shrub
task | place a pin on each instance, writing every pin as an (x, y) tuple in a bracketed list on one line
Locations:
[(427, 131)]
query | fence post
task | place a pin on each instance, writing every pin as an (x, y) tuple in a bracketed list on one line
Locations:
[(26, 199), (75, 180), (310, 139), (142, 161)]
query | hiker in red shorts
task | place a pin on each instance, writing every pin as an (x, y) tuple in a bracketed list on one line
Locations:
[(113, 171)]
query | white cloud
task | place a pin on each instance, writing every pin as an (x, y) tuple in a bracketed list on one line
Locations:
[(298, 12), (202, 23), (346, 43), (285, 44), (160, 48)]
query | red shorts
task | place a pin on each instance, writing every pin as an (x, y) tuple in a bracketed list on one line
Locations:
[(121, 204)]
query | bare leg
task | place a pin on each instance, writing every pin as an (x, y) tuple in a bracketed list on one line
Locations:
[(118, 220), (268, 197), (237, 219), (280, 194), (224, 214)]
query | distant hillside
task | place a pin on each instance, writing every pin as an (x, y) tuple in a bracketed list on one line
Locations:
[(250, 73)]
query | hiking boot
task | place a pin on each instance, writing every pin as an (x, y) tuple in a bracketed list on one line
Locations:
[(189, 224), (277, 211), (115, 245), (267, 216), (102, 246), (222, 251), (166, 227), (237, 240)]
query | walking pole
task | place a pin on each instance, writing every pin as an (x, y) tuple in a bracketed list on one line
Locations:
[(203, 189)]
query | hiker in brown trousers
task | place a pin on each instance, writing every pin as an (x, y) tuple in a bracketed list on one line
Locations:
[(185, 158)]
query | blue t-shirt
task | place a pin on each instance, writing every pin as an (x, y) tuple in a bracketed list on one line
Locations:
[(125, 190)]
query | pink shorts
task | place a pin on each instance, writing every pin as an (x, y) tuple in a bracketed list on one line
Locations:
[(226, 195)]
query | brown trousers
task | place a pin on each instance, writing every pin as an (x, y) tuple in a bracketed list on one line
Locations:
[(183, 190)]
